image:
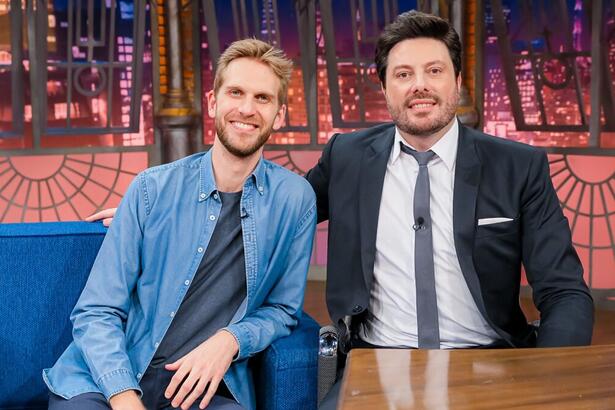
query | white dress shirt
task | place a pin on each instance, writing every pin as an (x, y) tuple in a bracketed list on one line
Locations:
[(392, 308)]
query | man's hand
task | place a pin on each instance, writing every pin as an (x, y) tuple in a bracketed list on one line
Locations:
[(106, 215), (127, 400), (205, 365)]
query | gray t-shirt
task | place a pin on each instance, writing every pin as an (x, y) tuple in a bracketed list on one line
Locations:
[(217, 290)]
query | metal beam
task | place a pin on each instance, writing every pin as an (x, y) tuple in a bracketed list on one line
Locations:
[(326, 14), (17, 71), (306, 23), (213, 41), (137, 63), (596, 75), (176, 118), (197, 104), (565, 19), (511, 82), (173, 44), (38, 73), (479, 73)]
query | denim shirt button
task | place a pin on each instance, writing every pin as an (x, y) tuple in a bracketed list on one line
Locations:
[(215, 196), (172, 314), (200, 250), (212, 217), (156, 345), (187, 282), (260, 189), (139, 375), (202, 196)]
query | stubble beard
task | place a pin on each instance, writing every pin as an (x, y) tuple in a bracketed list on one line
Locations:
[(240, 152), (401, 117)]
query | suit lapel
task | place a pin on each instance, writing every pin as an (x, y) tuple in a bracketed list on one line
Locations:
[(373, 168), (467, 180)]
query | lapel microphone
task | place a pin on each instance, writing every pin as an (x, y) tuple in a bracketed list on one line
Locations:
[(419, 224)]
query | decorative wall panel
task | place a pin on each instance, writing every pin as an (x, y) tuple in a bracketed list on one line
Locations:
[(76, 120), (549, 75)]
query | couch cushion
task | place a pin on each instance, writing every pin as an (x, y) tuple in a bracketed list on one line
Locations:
[(43, 267)]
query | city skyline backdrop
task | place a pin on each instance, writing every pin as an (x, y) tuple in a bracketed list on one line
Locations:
[(90, 83)]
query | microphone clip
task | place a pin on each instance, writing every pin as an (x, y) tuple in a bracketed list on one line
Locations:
[(419, 224)]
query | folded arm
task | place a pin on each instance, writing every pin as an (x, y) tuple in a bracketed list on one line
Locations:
[(282, 306)]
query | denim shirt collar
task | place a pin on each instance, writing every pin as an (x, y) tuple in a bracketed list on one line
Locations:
[(207, 182)]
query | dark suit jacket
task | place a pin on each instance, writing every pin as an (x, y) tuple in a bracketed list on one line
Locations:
[(493, 178)]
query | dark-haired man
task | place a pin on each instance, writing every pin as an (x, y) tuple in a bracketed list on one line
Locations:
[(430, 221)]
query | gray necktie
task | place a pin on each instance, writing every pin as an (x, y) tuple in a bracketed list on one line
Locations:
[(426, 301)]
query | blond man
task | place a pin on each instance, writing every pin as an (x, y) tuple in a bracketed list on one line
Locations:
[(205, 267)]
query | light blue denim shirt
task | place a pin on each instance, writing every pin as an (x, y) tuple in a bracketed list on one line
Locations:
[(150, 255)]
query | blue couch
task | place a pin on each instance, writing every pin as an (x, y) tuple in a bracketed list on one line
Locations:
[(44, 266)]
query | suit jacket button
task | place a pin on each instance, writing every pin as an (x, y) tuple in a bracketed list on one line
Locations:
[(357, 309)]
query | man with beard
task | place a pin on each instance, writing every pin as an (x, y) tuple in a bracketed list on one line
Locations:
[(430, 221), (205, 266)]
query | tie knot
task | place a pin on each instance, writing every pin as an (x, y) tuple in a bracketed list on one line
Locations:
[(421, 157)]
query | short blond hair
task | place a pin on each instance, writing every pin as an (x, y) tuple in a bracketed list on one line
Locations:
[(258, 50)]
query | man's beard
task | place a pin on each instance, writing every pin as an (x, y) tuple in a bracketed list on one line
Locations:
[(404, 123), (240, 152)]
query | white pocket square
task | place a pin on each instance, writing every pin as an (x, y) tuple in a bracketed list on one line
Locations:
[(491, 221)]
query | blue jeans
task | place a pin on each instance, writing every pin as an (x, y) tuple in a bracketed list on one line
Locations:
[(153, 384)]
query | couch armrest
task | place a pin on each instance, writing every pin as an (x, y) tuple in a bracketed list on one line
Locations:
[(285, 374), (328, 340)]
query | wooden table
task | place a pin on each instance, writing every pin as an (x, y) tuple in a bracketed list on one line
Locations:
[(563, 378)]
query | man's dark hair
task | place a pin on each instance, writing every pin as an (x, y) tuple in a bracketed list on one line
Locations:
[(414, 24)]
